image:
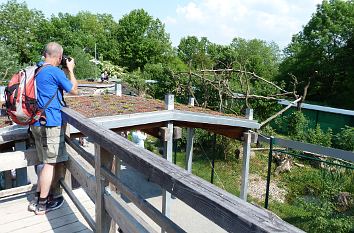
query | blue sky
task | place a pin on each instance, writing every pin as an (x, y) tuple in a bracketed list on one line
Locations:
[(219, 20)]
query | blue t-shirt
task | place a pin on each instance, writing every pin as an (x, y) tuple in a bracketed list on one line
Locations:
[(50, 80)]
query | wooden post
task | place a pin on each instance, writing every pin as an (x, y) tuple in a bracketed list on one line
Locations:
[(118, 89), (190, 140), (167, 154), (67, 174), (246, 158), (103, 220), (21, 173)]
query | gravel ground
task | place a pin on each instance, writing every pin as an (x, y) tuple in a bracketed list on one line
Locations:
[(257, 189)]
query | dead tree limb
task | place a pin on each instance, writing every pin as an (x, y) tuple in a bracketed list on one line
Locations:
[(280, 112), (247, 72)]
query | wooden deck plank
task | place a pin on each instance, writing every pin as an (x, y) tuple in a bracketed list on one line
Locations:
[(16, 218), (72, 227), (21, 212)]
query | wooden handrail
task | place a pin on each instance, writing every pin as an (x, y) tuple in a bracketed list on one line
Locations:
[(226, 210)]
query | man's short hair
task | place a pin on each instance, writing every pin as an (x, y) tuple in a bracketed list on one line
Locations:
[(53, 49)]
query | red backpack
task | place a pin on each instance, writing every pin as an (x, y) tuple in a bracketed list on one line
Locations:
[(21, 97)]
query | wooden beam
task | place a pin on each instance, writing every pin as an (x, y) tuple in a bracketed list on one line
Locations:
[(82, 172), (125, 217), (142, 204), (228, 131), (17, 190), (18, 159), (82, 152), (226, 210), (79, 206), (103, 220), (21, 173), (13, 136)]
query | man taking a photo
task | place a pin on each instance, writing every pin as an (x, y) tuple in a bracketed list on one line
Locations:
[(49, 132)]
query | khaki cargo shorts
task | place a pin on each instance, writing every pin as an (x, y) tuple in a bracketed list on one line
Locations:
[(50, 143)]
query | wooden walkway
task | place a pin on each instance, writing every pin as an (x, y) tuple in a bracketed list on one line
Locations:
[(14, 216)]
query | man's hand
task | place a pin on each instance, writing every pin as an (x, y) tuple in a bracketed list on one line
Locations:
[(71, 65), (70, 68)]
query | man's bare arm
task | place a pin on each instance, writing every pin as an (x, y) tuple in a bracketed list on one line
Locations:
[(71, 65)]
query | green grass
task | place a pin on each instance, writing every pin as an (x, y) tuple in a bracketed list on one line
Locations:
[(302, 183)]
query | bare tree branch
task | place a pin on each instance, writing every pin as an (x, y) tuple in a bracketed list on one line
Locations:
[(280, 112)]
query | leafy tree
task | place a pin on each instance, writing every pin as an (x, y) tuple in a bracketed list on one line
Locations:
[(324, 52), (19, 28), (194, 52), (86, 31), (9, 62), (257, 56), (84, 68), (141, 39)]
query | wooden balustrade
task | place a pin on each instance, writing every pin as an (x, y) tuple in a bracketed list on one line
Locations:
[(94, 173)]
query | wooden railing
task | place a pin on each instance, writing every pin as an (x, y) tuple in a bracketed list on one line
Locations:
[(94, 173)]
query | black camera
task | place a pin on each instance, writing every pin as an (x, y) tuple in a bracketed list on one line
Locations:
[(64, 60)]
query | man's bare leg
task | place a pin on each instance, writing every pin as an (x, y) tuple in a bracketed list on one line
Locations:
[(45, 181), (33, 203)]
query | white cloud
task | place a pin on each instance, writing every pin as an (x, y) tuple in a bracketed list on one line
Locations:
[(191, 12), (169, 20), (221, 21)]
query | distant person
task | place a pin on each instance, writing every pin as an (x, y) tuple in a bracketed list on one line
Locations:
[(104, 76), (139, 138)]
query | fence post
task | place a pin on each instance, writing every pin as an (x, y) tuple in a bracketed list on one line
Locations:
[(246, 158), (67, 174), (104, 223), (213, 160), (270, 158), (21, 173), (190, 139), (118, 89), (167, 154)]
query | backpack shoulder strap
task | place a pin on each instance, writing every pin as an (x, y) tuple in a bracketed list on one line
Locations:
[(39, 68)]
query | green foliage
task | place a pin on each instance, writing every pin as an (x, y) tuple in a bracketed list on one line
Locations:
[(136, 80), (257, 56), (9, 62), (84, 68), (345, 139), (297, 125), (314, 192), (194, 53), (19, 29), (112, 70), (317, 136), (141, 39), (324, 50), (84, 30)]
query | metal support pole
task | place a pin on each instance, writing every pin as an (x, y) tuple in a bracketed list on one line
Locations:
[(190, 141), (246, 158), (270, 158), (213, 160), (167, 154), (175, 151)]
